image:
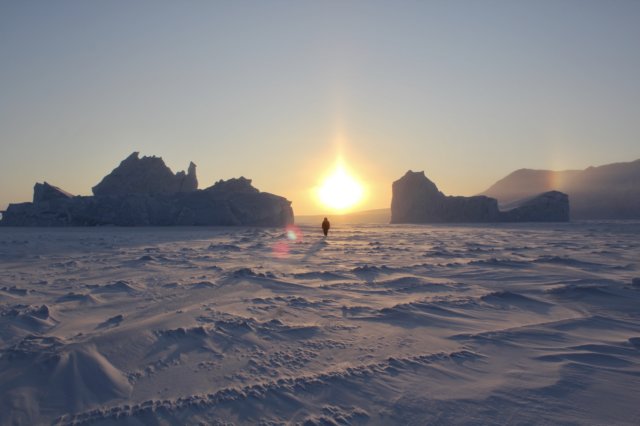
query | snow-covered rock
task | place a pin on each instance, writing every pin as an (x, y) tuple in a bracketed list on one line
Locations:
[(130, 196)]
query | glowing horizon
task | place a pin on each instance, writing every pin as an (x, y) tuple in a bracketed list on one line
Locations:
[(466, 91)]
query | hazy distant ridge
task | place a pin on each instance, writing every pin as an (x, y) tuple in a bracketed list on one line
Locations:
[(610, 191)]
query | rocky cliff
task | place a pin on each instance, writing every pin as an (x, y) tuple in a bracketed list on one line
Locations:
[(129, 197), (416, 199)]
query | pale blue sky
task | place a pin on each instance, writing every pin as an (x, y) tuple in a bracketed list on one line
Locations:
[(466, 90)]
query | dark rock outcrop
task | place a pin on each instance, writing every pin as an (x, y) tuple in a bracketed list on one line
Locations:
[(416, 199), (146, 175), (611, 191), (44, 192), (231, 202), (551, 206)]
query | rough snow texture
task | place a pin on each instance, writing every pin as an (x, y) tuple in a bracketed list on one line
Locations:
[(146, 175), (415, 199), (144, 192), (611, 191), (493, 324)]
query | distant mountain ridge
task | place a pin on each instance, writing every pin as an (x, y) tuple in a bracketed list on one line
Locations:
[(611, 191)]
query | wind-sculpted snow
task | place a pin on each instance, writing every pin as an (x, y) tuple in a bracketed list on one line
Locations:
[(500, 324), (271, 389)]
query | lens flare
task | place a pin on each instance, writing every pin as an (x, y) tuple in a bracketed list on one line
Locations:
[(292, 234)]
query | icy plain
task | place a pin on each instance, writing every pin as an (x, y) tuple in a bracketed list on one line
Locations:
[(377, 324)]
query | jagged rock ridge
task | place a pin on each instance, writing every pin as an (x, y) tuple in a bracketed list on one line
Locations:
[(129, 197), (416, 199), (146, 175)]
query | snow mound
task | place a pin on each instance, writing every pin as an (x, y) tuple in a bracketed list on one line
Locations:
[(49, 374)]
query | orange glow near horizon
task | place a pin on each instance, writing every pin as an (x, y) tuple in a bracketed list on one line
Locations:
[(340, 191)]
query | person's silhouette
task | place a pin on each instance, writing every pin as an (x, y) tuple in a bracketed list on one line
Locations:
[(325, 226)]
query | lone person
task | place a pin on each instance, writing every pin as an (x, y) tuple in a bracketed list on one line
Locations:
[(325, 226)]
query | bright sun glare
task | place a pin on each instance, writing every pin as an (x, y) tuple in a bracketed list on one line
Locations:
[(340, 191)]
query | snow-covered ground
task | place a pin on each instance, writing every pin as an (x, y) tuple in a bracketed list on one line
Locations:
[(498, 324)]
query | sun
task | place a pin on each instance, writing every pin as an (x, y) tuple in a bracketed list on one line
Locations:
[(340, 191)]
